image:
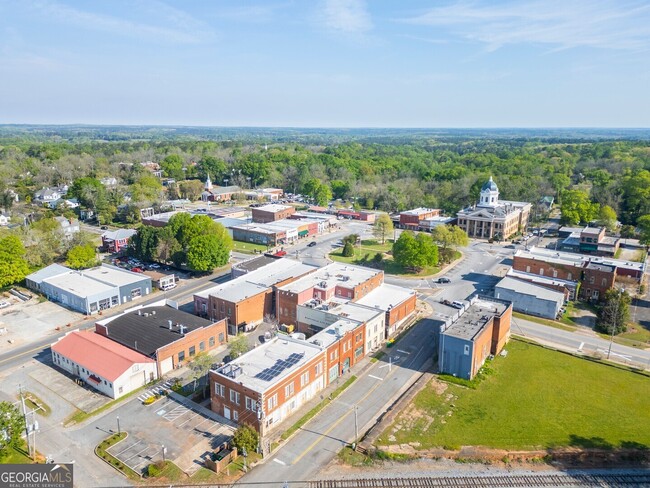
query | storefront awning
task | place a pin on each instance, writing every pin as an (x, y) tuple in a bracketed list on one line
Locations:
[(303, 233)]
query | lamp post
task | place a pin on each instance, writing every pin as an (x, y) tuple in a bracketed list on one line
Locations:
[(118, 425), (164, 451), (356, 425), (615, 321)]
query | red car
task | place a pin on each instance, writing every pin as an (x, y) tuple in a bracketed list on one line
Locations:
[(137, 270)]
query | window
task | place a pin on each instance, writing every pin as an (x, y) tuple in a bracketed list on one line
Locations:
[(234, 396), (569, 276), (135, 367), (251, 404), (114, 301), (555, 273), (235, 415), (319, 369), (288, 390), (120, 389), (466, 350), (229, 311), (334, 354), (334, 372), (136, 293), (192, 351), (273, 401), (359, 337), (181, 356), (527, 269), (604, 282), (211, 342), (219, 390), (591, 280), (358, 352), (304, 379), (541, 271), (202, 346), (220, 337)]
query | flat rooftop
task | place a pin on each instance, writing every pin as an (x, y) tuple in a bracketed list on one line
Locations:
[(115, 276), (332, 333), (386, 296), (147, 329), (544, 280), (165, 216), (257, 228), (48, 272), (255, 263), (332, 275), (527, 288), (273, 207), (476, 317), (77, 283), (420, 211), (263, 367), (234, 290), (591, 230), (574, 259), (355, 311)]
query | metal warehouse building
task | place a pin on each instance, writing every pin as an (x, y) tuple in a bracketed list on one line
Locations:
[(529, 298), (89, 291)]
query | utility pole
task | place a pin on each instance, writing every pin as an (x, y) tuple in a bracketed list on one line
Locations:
[(356, 425), (615, 321), (31, 426)]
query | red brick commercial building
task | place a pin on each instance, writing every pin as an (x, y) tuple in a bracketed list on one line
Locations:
[(412, 218), (481, 329), (362, 215), (595, 274), (247, 299), (268, 383), (164, 333), (336, 280), (398, 303), (272, 212)]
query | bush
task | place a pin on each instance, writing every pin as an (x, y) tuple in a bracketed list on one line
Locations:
[(245, 437), (155, 469), (348, 250), (378, 258)]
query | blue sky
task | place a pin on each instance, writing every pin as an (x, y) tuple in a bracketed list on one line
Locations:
[(326, 63)]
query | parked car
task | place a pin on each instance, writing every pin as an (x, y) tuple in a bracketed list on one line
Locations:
[(154, 266), (312, 244), (137, 270), (444, 280), (457, 304), (4, 304), (104, 227)]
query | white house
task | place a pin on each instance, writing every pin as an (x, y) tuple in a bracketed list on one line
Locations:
[(106, 365)]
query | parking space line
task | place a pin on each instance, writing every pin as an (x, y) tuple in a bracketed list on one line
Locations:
[(193, 416), (136, 454), (127, 448)]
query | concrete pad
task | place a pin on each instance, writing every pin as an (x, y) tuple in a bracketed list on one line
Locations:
[(85, 399)]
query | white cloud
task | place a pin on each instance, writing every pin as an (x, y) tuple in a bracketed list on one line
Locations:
[(347, 16), (176, 25), (561, 24)]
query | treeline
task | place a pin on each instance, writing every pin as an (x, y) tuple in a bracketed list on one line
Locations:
[(445, 172)]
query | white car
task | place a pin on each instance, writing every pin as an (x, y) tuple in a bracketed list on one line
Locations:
[(4, 304)]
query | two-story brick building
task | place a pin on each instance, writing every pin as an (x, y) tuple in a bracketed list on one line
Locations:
[(410, 219)]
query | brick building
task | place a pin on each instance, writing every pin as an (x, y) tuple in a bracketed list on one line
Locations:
[(396, 302), (595, 274), (336, 280), (117, 240), (247, 299), (412, 218), (590, 240), (480, 329), (268, 383), (272, 212), (164, 333)]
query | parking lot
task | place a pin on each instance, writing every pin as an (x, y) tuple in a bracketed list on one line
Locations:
[(189, 433)]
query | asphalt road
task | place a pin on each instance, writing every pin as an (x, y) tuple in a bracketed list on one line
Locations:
[(378, 386)]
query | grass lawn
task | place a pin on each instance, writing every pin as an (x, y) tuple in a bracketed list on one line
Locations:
[(573, 312), (635, 336), (248, 247), (535, 398), (540, 320), (17, 455), (364, 253), (34, 403)]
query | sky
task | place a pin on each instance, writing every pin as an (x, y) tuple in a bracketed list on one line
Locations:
[(326, 63)]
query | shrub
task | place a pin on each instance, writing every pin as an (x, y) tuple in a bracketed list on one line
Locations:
[(245, 437), (155, 469), (348, 250)]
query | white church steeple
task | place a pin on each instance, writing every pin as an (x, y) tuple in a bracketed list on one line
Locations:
[(208, 183)]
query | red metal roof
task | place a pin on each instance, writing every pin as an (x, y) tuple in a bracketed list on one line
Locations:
[(98, 354)]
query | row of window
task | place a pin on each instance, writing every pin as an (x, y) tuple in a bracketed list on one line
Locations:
[(192, 350), (63, 360)]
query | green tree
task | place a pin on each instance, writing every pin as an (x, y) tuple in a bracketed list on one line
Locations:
[(427, 250), (172, 166), (245, 437), (13, 267), (144, 244), (146, 188), (213, 167), (628, 232), (607, 217), (323, 195), (351, 238), (614, 313), (11, 427), (382, 227), (89, 191), (206, 252), (576, 207), (200, 366), (340, 189), (191, 189), (82, 257), (415, 252), (644, 230), (238, 346), (348, 250)]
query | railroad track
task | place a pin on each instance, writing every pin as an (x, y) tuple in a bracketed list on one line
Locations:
[(515, 481)]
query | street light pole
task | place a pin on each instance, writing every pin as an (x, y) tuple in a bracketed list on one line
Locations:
[(164, 451), (118, 426), (356, 425), (614, 325)]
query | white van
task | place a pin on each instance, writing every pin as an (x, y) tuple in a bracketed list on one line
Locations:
[(168, 286), (457, 304)]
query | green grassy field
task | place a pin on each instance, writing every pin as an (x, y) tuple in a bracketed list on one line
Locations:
[(248, 248), (535, 398), (369, 248)]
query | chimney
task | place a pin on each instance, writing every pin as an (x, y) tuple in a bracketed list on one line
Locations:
[(170, 324), (136, 345)]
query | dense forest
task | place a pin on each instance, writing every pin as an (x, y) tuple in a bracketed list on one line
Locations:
[(378, 169)]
